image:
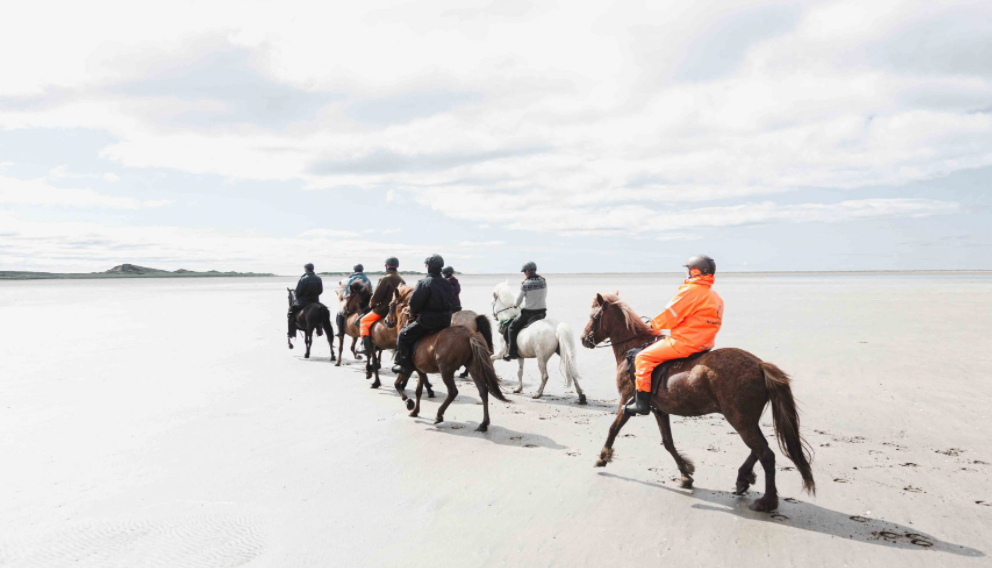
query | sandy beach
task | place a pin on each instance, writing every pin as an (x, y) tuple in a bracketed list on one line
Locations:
[(165, 423)]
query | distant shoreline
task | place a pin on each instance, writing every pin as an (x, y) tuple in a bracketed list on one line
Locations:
[(27, 275)]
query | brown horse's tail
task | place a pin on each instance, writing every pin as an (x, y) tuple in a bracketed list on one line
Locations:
[(486, 329), (481, 366), (787, 423)]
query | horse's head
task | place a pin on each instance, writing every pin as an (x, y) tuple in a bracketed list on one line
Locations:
[(601, 320), (399, 307), (504, 303), (292, 296)]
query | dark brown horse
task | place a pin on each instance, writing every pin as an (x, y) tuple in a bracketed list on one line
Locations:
[(445, 352), (731, 382), (312, 317), (357, 305)]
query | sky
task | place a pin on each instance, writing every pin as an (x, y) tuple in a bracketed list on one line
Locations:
[(585, 136)]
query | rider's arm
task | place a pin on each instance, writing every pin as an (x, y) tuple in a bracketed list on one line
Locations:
[(319, 285), (675, 311), (419, 298), (520, 297)]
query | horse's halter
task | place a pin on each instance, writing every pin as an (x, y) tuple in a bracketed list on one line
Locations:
[(590, 335)]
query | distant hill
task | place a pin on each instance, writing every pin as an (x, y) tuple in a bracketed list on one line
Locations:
[(123, 271)]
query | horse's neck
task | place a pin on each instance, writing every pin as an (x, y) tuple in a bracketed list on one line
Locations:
[(624, 340)]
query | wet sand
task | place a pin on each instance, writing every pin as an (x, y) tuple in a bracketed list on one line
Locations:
[(164, 423)]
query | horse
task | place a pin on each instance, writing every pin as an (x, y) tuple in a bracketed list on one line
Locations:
[(731, 382), (540, 340), (445, 352), (356, 304), (314, 316), (385, 331)]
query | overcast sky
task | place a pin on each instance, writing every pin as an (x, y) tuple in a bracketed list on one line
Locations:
[(589, 137)]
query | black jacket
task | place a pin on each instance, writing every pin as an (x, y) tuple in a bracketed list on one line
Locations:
[(432, 301), (309, 289)]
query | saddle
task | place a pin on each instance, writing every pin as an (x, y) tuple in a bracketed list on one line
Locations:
[(659, 376), (504, 327)]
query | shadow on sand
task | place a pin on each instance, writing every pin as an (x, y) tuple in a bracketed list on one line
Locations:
[(807, 516), (496, 434)]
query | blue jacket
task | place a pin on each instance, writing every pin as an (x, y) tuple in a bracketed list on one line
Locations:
[(356, 276)]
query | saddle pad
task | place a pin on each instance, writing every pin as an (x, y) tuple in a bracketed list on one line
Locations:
[(659, 376)]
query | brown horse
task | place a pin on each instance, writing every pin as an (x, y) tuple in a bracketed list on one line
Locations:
[(357, 305), (314, 316), (384, 333), (445, 352), (731, 382)]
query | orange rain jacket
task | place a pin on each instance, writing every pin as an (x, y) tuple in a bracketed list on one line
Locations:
[(694, 315)]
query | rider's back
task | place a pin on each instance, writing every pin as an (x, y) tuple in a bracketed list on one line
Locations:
[(433, 299), (309, 289)]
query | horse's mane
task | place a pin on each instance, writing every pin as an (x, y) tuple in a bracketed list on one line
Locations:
[(405, 292), (361, 292), (505, 294), (632, 322)]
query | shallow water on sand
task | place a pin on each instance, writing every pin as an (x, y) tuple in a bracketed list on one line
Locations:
[(164, 422)]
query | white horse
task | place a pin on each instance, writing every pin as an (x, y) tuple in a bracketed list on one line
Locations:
[(540, 340)]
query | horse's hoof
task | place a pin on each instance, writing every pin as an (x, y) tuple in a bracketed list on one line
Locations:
[(414, 414), (409, 404), (482, 428), (742, 487), (582, 399), (764, 506), (518, 391), (686, 483), (537, 396), (306, 355), (600, 463), (430, 394), (358, 357), (439, 420), (290, 345), (375, 385)]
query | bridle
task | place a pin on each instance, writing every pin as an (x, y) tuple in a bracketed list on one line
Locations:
[(590, 335), (497, 312)]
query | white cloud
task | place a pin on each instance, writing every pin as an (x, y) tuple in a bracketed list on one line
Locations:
[(111, 177), (38, 192)]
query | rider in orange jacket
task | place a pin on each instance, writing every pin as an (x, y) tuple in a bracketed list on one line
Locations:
[(693, 318)]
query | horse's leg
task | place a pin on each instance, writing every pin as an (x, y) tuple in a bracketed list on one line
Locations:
[(686, 467), (400, 384), (309, 341), (449, 381), (520, 376), (420, 391), (354, 353), (484, 393), (340, 350), (745, 475), (427, 383), (755, 440), (377, 354), (606, 455), (542, 366)]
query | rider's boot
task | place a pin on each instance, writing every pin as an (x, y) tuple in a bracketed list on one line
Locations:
[(367, 345), (341, 324), (291, 330), (641, 404)]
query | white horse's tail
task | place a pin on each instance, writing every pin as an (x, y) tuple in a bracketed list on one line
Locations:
[(566, 345)]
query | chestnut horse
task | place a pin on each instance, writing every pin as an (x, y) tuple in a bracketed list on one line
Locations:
[(731, 382), (385, 331), (357, 305), (445, 352)]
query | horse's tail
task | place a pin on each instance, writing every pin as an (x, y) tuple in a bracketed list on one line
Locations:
[(786, 418), (325, 321), (566, 346), (486, 329), (481, 366)]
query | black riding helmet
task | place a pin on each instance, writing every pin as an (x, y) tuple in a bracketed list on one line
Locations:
[(359, 268), (447, 271), (308, 267), (392, 262), (528, 267), (434, 263), (703, 263)]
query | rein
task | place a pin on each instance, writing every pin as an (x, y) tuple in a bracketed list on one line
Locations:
[(608, 342)]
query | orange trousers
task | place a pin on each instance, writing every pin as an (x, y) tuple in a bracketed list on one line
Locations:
[(367, 321), (654, 355)]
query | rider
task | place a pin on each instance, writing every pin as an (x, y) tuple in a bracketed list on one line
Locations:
[(430, 310), (358, 274), (308, 291), (380, 300), (449, 275), (693, 318), (533, 293)]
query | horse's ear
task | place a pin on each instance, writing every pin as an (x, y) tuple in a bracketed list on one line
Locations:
[(599, 299), (618, 292)]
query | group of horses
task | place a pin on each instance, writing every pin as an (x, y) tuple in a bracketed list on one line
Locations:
[(728, 381)]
